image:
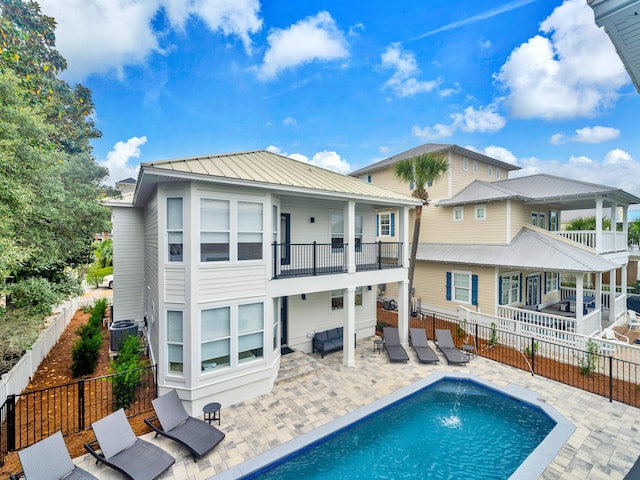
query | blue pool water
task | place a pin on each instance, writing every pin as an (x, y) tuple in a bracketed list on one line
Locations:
[(454, 428)]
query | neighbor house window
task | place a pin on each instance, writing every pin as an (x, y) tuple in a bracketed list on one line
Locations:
[(337, 231), (337, 300), (462, 287), (214, 230), (215, 338), (175, 343), (481, 212), (249, 231), (174, 229), (385, 225), (250, 332), (534, 218), (475, 166), (541, 220), (358, 296), (489, 171), (553, 220), (358, 238), (498, 173), (465, 164), (458, 214), (510, 287), (552, 282)]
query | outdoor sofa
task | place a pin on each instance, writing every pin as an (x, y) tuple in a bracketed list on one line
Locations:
[(328, 341)]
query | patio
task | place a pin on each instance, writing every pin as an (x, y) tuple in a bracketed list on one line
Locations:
[(316, 391)]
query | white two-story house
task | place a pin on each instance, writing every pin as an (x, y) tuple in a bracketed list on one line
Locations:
[(227, 258)]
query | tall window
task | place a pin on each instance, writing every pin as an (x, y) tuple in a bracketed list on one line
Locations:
[(534, 218), (553, 220), (462, 287), (215, 338), (175, 345), (489, 171), (358, 238), (384, 225), (276, 323), (475, 166), (174, 229), (358, 296), (510, 288), (250, 331), (541, 220), (337, 300), (214, 230), (498, 173), (551, 282), (465, 164), (249, 231), (337, 231)]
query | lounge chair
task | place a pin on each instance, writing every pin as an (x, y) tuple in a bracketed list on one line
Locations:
[(175, 423), (420, 344), (634, 321), (49, 459), (395, 350), (133, 457), (447, 347)]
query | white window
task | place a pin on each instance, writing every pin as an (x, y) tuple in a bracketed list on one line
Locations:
[(174, 229), (462, 287), (541, 220), (458, 214), (465, 164), (384, 224), (215, 338), (250, 331), (552, 282), (175, 345), (498, 173), (358, 296), (489, 171), (358, 238), (510, 288), (553, 220), (214, 230), (534, 218), (249, 231), (337, 231), (337, 300), (480, 212), (276, 324), (475, 166)]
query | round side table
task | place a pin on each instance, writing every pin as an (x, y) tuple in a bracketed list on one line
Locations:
[(211, 412)]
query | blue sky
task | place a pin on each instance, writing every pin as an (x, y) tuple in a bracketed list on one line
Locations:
[(344, 84)]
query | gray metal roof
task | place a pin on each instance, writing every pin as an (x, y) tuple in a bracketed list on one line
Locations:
[(436, 149), (621, 21), (267, 170), (542, 188), (531, 249)]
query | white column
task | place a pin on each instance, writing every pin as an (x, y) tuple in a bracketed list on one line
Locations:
[(579, 302), (403, 234), (598, 224), (349, 331), (612, 295), (350, 232), (599, 291), (403, 311)]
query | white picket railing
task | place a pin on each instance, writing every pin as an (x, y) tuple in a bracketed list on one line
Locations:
[(17, 379)]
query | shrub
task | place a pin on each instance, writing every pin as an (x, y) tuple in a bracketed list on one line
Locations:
[(588, 361), (96, 274), (37, 295), (86, 350), (126, 366)]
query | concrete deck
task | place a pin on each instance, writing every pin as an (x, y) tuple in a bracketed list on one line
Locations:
[(313, 391)]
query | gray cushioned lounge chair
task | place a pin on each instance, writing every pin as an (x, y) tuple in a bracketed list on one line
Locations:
[(420, 344), (448, 348), (395, 350), (175, 423), (49, 459), (135, 458)]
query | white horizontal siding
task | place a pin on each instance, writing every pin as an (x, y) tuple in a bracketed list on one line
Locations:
[(230, 282), (128, 264), (174, 284)]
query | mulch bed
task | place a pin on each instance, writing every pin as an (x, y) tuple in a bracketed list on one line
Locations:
[(55, 370)]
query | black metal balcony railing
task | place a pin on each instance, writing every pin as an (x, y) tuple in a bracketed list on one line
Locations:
[(309, 259)]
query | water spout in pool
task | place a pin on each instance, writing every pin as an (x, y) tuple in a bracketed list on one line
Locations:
[(453, 420)]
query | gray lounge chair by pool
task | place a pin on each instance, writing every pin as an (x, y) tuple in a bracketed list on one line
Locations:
[(49, 459), (395, 350), (175, 423), (421, 346), (121, 450), (447, 347)]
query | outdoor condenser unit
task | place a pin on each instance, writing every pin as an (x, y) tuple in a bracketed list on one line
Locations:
[(119, 330)]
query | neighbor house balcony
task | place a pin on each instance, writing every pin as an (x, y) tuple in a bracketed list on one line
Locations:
[(309, 259), (605, 242)]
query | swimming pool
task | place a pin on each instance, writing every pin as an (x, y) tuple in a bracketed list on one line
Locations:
[(446, 426)]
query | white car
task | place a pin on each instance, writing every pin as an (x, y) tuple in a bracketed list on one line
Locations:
[(107, 282)]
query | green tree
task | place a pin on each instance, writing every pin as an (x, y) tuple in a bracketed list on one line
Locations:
[(588, 223), (104, 253), (421, 170), (634, 233)]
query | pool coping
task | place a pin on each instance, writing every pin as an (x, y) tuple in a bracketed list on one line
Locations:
[(531, 468)]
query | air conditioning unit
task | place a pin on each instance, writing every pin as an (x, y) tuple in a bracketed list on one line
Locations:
[(119, 330)]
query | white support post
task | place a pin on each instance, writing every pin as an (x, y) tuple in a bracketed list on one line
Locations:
[(599, 291), (579, 302), (349, 331), (403, 311), (612, 296), (350, 230), (598, 224)]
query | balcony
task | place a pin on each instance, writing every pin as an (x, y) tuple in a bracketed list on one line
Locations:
[(310, 259), (611, 241)]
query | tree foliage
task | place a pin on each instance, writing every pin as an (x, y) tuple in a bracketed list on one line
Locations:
[(588, 223)]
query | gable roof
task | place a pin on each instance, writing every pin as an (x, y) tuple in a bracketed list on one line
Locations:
[(541, 188), (265, 170), (435, 149), (531, 248)]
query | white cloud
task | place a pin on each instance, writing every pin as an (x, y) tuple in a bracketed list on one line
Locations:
[(587, 135), (570, 70), (403, 82), (290, 121), (311, 39), (100, 36), (557, 138), (118, 159), (618, 157), (325, 159), (485, 120), (500, 153)]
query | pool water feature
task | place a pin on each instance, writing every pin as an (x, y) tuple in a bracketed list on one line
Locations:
[(447, 426)]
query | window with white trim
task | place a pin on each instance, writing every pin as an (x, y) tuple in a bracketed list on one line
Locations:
[(542, 220), (489, 171), (480, 212), (465, 164), (174, 229), (552, 282), (475, 166), (275, 327), (337, 299), (337, 231), (384, 224), (250, 332), (553, 220), (358, 296), (214, 230), (461, 287), (534, 219), (458, 214), (498, 173), (175, 343), (358, 237), (249, 231), (215, 338), (510, 288)]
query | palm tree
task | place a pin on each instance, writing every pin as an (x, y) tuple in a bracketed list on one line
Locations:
[(421, 170), (588, 223)]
